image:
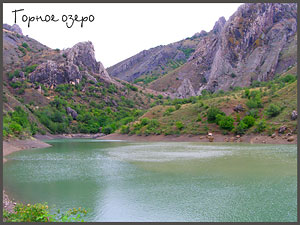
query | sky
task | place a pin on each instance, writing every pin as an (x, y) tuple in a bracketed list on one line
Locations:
[(118, 31)]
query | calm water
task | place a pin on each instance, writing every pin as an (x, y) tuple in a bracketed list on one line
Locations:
[(123, 181)]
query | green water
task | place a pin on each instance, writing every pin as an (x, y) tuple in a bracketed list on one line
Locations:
[(123, 181)]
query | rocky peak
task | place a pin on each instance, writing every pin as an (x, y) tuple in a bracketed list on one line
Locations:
[(219, 25), (13, 28), (83, 55)]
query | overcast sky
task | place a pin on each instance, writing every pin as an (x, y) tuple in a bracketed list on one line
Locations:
[(118, 30)]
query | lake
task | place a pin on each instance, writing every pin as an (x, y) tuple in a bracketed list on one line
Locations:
[(159, 181)]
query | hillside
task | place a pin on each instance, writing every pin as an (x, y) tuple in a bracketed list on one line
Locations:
[(263, 108), (63, 91)]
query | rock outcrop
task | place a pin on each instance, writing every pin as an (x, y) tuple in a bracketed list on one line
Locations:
[(75, 63), (13, 28)]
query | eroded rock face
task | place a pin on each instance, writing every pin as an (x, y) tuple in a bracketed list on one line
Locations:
[(251, 45), (53, 73), (186, 89), (79, 62)]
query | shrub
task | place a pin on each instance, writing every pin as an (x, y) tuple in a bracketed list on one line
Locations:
[(179, 125), (30, 69), (225, 122), (212, 113), (253, 113), (40, 213), (25, 45), (22, 50), (273, 110), (169, 111), (15, 127), (177, 106), (107, 130), (145, 121), (249, 121), (241, 128), (125, 129), (260, 125)]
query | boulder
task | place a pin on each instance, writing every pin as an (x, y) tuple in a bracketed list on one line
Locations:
[(294, 115), (72, 112), (290, 139), (282, 129), (239, 108), (273, 135)]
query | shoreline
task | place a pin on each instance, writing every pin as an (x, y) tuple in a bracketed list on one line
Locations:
[(220, 138)]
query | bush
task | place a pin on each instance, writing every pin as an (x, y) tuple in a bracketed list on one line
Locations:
[(212, 114), (225, 122), (125, 129), (241, 128), (249, 121), (169, 111), (179, 125), (40, 213), (15, 127), (145, 121), (25, 45), (260, 126), (177, 106), (107, 130), (273, 110), (253, 113)]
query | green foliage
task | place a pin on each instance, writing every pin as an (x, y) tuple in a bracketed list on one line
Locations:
[(273, 110), (25, 45), (260, 125), (30, 69), (177, 106), (179, 125), (40, 213), (22, 50), (254, 100), (225, 122), (169, 111), (253, 113), (131, 87), (16, 123), (187, 51), (241, 128), (16, 84), (125, 129), (212, 114), (249, 121)]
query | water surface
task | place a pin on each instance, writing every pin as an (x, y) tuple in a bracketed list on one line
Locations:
[(123, 181)]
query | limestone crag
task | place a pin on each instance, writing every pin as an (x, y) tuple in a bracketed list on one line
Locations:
[(75, 63)]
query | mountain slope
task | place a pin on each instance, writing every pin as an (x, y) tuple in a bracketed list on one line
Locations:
[(156, 62), (257, 42)]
